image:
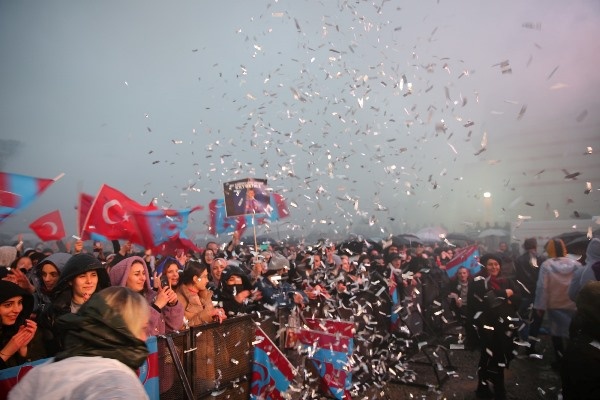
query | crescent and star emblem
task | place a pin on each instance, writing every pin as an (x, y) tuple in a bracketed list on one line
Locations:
[(107, 207), (52, 226)]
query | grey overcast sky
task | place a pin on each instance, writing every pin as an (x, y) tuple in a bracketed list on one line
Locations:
[(364, 115)]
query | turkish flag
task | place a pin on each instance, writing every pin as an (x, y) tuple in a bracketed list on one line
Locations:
[(157, 226), (111, 215), (175, 244), (85, 203), (49, 226)]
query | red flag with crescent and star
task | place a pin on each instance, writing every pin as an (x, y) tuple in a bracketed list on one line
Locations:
[(49, 226), (111, 215)]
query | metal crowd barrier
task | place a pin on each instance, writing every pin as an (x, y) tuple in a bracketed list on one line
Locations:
[(213, 360)]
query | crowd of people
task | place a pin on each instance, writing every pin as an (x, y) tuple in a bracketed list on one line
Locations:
[(50, 301)]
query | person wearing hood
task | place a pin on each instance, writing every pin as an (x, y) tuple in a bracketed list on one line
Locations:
[(492, 307), (104, 346), (82, 275), (585, 274), (17, 331), (47, 274), (275, 291), (552, 293), (166, 314), (236, 293)]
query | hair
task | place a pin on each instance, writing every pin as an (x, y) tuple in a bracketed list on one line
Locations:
[(131, 306), (556, 248), (193, 268), (530, 244)]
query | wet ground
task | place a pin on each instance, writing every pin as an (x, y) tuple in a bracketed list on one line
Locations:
[(526, 379)]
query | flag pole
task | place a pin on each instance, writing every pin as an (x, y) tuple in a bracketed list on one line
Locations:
[(254, 229), (59, 176)]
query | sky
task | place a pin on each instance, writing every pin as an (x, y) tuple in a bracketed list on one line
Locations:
[(378, 117)]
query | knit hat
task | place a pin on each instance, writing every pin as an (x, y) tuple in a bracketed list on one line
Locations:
[(9, 290), (486, 257), (556, 248)]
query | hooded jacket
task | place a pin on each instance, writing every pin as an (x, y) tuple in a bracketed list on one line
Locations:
[(226, 294), (553, 283), (169, 319), (62, 295), (100, 359), (585, 274), (9, 290), (42, 294)]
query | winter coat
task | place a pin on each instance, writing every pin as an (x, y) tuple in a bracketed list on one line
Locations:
[(61, 297), (100, 358), (169, 319), (526, 273), (197, 307), (553, 284), (9, 290), (552, 293), (226, 294), (493, 317)]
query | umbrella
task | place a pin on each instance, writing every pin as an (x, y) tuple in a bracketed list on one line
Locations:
[(459, 239), (493, 232), (431, 234), (578, 246), (406, 239), (568, 237), (458, 236)]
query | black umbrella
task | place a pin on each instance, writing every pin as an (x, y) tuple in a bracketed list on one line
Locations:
[(406, 239), (578, 246), (568, 237)]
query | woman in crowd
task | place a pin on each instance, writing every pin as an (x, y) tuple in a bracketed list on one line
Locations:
[(167, 273), (492, 310), (194, 296), (17, 331), (47, 273), (82, 276), (207, 257), (166, 314), (104, 346)]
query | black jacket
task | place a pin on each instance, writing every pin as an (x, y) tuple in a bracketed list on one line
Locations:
[(97, 330)]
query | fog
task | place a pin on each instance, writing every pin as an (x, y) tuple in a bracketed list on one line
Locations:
[(368, 117)]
